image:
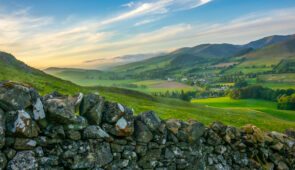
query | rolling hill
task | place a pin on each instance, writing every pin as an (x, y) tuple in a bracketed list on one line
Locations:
[(189, 60), (271, 54), (12, 69), (268, 41)]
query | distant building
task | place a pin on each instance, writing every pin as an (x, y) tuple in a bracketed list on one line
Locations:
[(184, 79)]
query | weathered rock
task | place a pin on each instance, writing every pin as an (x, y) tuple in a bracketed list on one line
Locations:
[(104, 154), (290, 132), (55, 131), (50, 161), (10, 153), (278, 146), (248, 129), (258, 134), (39, 151), (142, 133), (218, 127), (84, 161), (24, 144), (91, 107), (3, 161), (73, 134), (213, 138), (78, 123), (231, 133), (117, 148), (2, 128), (88, 102), (173, 125), (95, 132), (23, 160), (196, 130), (151, 120), (38, 110), (62, 108), (118, 164), (113, 112), (169, 154), (19, 123), (15, 96), (141, 149), (282, 166), (129, 155), (124, 126)]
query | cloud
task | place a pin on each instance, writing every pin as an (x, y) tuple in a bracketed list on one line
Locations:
[(44, 42), (130, 4), (156, 7), (146, 21)]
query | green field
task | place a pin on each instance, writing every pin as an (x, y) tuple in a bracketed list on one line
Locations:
[(275, 81), (266, 107), (165, 107)]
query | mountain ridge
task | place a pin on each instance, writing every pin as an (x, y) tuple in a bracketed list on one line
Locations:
[(199, 56)]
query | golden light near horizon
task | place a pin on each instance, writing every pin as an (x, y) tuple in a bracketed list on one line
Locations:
[(44, 40)]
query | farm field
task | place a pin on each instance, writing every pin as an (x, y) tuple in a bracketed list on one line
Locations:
[(275, 81), (263, 106)]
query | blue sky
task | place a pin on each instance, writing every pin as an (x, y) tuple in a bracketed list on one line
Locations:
[(67, 33)]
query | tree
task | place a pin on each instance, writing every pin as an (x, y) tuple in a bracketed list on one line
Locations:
[(241, 83), (235, 94), (286, 102)]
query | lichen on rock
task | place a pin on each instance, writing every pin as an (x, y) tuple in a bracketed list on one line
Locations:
[(107, 135)]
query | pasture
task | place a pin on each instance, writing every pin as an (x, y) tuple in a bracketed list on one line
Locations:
[(263, 106)]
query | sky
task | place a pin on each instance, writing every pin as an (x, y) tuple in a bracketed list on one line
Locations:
[(92, 34)]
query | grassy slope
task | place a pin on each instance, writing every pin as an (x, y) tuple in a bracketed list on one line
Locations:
[(172, 108), (267, 107), (165, 108), (272, 54)]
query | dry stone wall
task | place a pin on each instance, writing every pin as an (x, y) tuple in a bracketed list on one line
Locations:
[(48, 133)]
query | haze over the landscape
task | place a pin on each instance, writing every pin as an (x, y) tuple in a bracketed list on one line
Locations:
[(147, 84), (95, 34)]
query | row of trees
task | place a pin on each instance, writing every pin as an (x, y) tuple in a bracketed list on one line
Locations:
[(285, 98), (259, 92), (187, 96), (287, 102)]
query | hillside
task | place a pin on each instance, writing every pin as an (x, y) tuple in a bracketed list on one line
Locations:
[(195, 59), (15, 70), (272, 54), (268, 41), (184, 57), (54, 70), (164, 107)]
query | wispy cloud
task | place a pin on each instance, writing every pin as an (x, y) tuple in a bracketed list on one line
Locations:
[(156, 7), (69, 44), (146, 21), (130, 4)]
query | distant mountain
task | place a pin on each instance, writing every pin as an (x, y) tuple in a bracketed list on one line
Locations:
[(120, 60), (200, 57), (272, 54), (55, 70), (266, 41), (185, 57)]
